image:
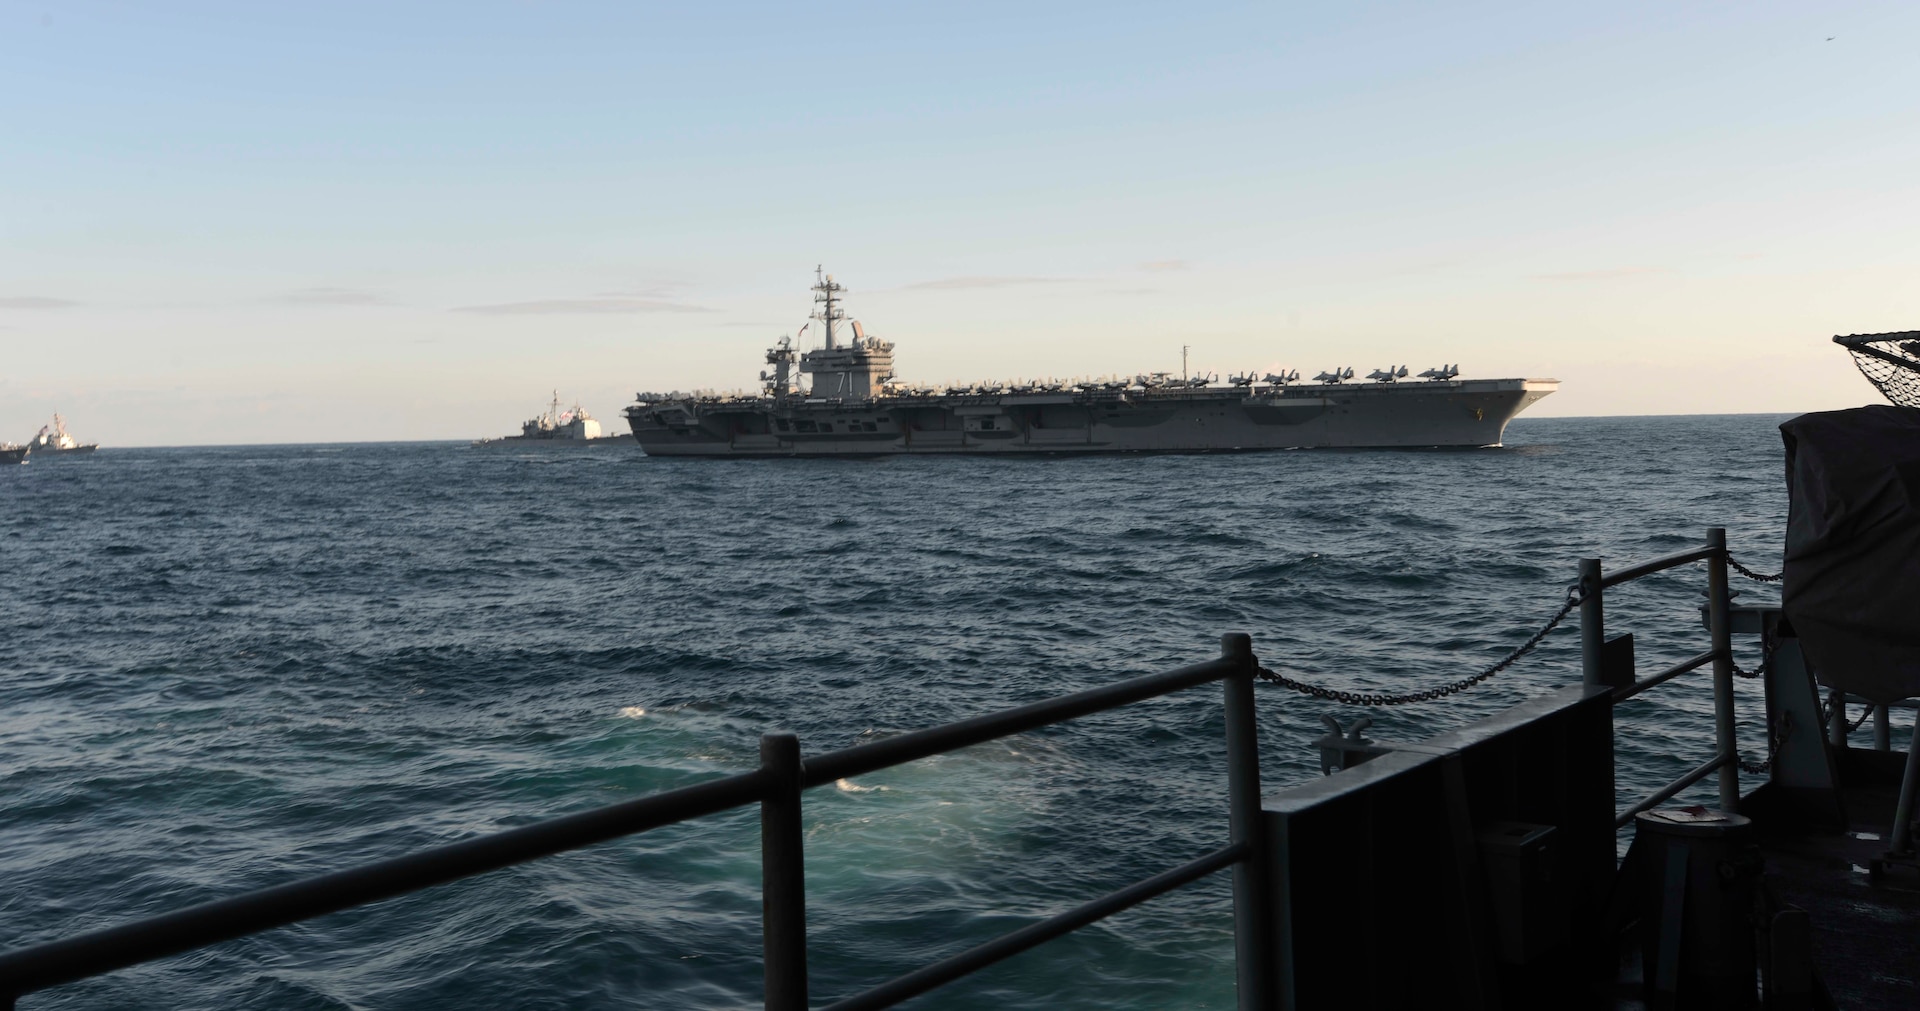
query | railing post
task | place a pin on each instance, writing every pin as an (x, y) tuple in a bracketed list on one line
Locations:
[(1593, 625), (783, 887), (1720, 626), (1252, 901), (1882, 729)]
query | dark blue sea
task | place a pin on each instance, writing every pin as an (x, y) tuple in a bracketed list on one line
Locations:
[(222, 669)]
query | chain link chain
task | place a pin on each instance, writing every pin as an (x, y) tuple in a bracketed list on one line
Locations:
[(1758, 577), (1574, 597), (1776, 737), (1826, 715), (1767, 659), (1766, 662)]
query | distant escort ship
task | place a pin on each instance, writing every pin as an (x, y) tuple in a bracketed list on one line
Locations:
[(556, 428), (851, 406), (54, 440)]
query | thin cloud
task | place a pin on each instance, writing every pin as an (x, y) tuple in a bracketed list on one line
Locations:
[(556, 306), (36, 302), (962, 283), (332, 296), (1612, 274), (653, 290), (1162, 266)]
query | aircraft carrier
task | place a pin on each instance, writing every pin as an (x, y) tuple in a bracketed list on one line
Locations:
[(841, 399)]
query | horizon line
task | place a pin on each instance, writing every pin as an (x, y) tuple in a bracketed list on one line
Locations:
[(454, 441)]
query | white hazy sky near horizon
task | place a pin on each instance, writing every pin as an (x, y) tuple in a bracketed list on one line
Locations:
[(226, 223)]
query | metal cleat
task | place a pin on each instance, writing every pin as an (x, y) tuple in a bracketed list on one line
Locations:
[(1344, 748)]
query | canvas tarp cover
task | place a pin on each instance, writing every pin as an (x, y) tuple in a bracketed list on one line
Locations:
[(1852, 584)]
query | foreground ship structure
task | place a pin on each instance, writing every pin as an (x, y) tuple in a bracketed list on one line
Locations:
[(851, 405)]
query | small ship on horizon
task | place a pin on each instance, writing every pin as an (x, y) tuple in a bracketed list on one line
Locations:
[(556, 428), (852, 406), (51, 440)]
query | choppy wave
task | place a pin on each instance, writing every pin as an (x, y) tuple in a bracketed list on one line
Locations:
[(227, 668)]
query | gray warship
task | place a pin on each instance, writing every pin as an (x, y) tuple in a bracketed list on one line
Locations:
[(851, 405), (54, 440), (555, 428)]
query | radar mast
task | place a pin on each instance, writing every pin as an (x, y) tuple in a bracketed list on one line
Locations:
[(830, 312)]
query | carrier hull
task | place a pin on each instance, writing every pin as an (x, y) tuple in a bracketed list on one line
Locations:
[(1451, 414)]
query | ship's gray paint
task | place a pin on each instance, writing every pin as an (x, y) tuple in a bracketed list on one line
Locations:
[(1459, 413), (852, 409)]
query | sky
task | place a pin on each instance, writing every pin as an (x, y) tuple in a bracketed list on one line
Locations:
[(232, 223)]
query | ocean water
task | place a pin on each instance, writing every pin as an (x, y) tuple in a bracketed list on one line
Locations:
[(222, 669)]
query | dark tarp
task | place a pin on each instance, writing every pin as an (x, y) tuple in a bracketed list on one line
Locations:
[(1852, 586)]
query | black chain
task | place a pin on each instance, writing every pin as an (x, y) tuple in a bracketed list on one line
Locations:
[(1826, 715), (1766, 661), (1574, 597), (1758, 577), (1775, 738)]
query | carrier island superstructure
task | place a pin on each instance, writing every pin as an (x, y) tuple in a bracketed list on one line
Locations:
[(851, 405)]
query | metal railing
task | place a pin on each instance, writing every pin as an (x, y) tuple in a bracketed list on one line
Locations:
[(1604, 664), (776, 786)]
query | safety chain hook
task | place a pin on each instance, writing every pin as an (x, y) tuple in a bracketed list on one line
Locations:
[(1574, 597)]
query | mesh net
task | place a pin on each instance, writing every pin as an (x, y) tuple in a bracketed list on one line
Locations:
[(1890, 361)]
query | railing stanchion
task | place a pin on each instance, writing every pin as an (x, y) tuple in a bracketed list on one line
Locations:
[(1254, 962), (1882, 729), (1593, 624), (1900, 841), (783, 887), (1720, 626)]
